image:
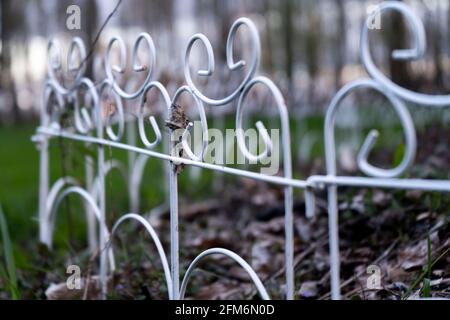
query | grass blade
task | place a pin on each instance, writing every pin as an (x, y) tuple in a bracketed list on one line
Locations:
[(9, 257)]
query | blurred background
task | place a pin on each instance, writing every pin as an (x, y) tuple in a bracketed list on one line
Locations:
[(310, 49)]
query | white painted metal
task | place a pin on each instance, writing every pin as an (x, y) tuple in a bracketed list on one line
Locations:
[(90, 123)]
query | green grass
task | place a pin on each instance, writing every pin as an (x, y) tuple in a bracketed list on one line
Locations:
[(8, 273), (19, 171), (19, 181)]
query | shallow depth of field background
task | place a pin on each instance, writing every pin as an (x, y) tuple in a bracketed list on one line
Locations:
[(309, 49)]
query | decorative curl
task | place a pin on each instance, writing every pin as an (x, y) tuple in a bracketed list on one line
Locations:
[(50, 114), (83, 119), (287, 164), (55, 65), (363, 164), (158, 136), (232, 65), (363, 155), (118, 110), (136, 66), (268, 146), (186, 132), (417, 32)]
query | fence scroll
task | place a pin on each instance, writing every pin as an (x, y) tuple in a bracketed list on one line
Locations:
[(92, 124)]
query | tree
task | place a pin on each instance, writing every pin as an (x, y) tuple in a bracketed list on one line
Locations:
[(91, 30), (313, 38), (8, 18), (397, 39), (288, 37), (436, 46), (340, 42)]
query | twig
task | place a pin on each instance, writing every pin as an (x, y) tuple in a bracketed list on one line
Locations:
[(88, 274), (299, 258), (351, 279), (97, 37)]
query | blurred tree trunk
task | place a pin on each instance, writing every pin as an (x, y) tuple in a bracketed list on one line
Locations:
[(340, 42), (287, 11), (397, 39), (434, 24), (6, 78), (267, 55), (312, 36), (223, 15), (447, 38), (90, 8)]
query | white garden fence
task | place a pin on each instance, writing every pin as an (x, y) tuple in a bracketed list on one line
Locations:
[(93, 127)]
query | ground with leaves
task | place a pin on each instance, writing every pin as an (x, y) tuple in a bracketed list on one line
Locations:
[(405, 233)]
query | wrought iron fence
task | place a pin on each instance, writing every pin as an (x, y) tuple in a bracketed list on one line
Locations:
[(93, 126)]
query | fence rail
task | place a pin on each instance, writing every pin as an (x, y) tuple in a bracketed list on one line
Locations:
[(94, 125)]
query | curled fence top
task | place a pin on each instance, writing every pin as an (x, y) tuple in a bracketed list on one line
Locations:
[(82, 90)]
